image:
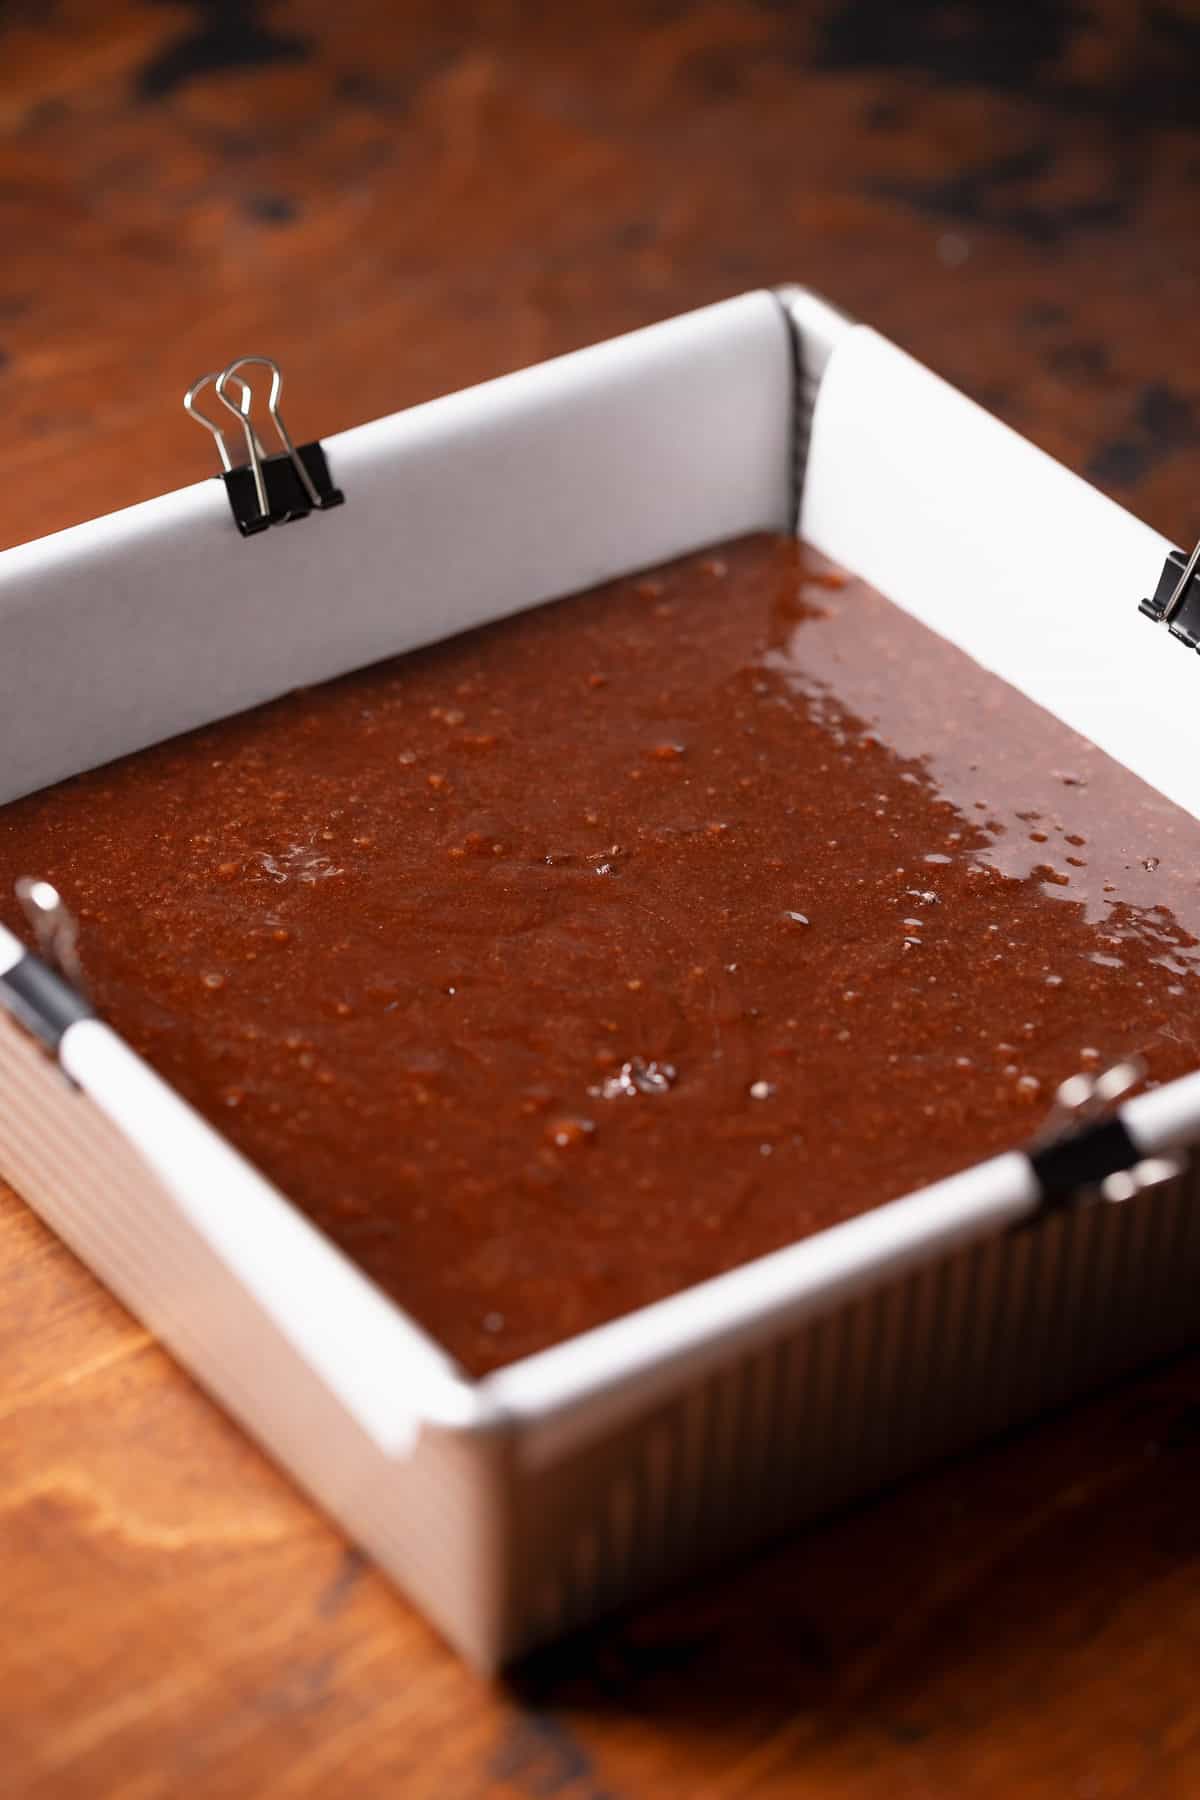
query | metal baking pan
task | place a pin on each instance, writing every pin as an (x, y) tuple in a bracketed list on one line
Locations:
[(516, 1506)]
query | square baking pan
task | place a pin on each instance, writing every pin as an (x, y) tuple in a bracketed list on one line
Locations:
[(514, 1507)]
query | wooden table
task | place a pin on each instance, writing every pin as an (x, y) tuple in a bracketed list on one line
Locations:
[(397, 200)]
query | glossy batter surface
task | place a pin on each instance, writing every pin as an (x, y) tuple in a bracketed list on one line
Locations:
[(578, 959)]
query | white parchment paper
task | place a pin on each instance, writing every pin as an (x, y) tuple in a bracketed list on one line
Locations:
[(119, 633), (994, 544)]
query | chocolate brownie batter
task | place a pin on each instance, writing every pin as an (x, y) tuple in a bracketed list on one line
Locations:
[(572, 961)]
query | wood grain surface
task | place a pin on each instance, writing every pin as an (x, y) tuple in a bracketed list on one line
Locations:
[(397, 199)]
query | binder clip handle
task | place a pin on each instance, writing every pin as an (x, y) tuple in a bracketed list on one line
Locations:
[(210, 424)]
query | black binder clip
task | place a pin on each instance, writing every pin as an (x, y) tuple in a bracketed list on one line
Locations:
[(1176, 601), (1085, 1152), (264, 489), (45, 992)]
